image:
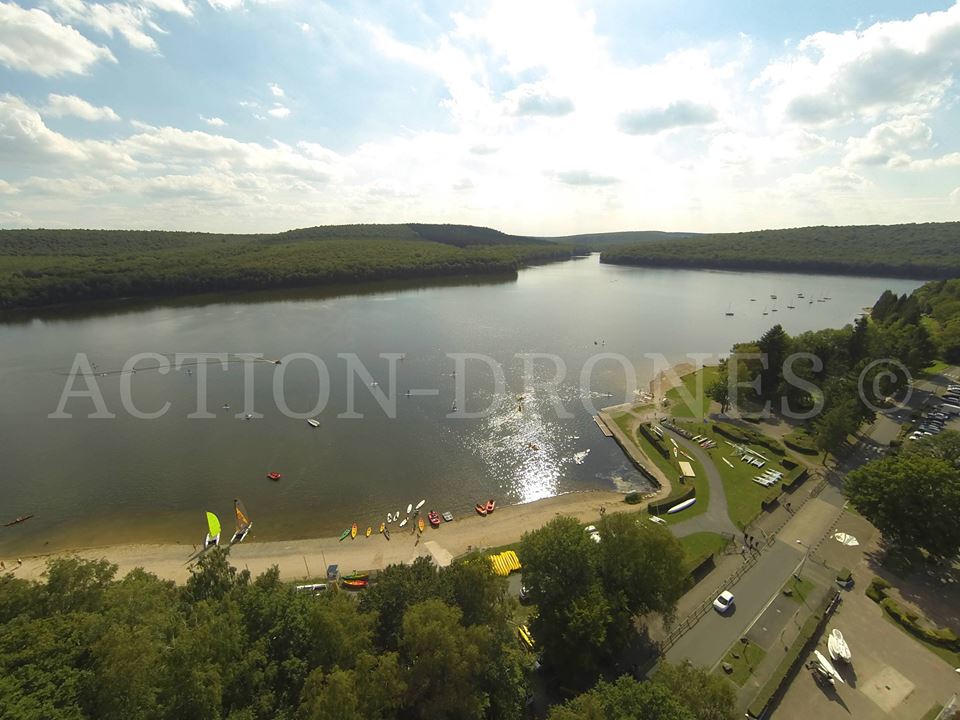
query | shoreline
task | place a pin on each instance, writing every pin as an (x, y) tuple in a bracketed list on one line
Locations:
[(308, 559)]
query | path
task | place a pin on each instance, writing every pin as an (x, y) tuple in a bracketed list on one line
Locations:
[(716, 519)]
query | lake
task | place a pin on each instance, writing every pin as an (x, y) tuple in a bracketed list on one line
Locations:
[(96, 481)]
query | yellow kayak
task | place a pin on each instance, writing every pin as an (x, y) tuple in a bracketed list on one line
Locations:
[(382, 526), (420, 524), (369, 531), (525, 637), (353, 531)]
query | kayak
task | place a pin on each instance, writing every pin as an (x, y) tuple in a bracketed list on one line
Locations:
[(353, 531), (403, 522), (356, 575), (383, 527), (274, 476), (491, 506), (480, 508), (369, 531), (344, 534), (409, 508), (353, 584), (386, 534), (420, 504), (420, 524)]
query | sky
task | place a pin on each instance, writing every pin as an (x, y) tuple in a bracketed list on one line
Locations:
[(542, 118)]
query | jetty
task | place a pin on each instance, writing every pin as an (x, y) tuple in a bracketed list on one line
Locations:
[(602, 425)]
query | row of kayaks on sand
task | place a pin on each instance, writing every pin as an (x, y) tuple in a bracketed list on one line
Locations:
[(413, 513)]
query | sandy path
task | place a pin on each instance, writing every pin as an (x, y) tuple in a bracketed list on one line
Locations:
[(309, 558)]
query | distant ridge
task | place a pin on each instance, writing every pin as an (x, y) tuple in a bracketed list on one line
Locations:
[(923, 251), (607, 239)]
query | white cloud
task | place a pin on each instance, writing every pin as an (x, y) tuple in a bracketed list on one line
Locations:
[(955, 196), (305, 28), (895, 67), (535, 99), (6, 188), (32, 41), (279, 111), (682, 113), (889, 143), (61, 105), (275, 90), (213, 121), (128, 21), (583, 177)]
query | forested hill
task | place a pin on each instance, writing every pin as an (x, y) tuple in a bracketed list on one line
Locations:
[(929, 250), (599, 241), (46, 267)]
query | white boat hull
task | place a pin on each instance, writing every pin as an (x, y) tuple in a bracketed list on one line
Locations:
[(681, 506), (211, 541), (837, 647)]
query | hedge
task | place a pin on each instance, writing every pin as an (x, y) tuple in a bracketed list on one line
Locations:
[(653, 441), (633, 498), (941, 637), (664, 505), (750, 437), (798, 651)]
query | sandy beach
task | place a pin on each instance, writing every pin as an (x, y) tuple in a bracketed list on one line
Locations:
[(299, 559)]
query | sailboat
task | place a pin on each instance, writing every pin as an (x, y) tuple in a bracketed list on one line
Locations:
[(729, 312), (243, 523), (765, 311), (213, 531), (837, 646)]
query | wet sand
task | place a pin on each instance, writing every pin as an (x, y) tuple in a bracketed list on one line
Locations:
[(299, 559)]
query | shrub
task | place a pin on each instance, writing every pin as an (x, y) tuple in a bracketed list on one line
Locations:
[(633, 498), (877, 590)]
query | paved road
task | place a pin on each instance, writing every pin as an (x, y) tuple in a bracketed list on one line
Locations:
[(716, 518), (710, 638)]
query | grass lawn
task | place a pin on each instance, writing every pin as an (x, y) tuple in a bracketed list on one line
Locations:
[(743, 494), (802, 589), (699, 546), (702, 485), (680, 407), (667, 467), (750, 657), (935, 368)]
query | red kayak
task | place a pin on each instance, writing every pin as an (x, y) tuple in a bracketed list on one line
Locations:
[(491, 506), (273, 475), (434, 518), (480, 508)]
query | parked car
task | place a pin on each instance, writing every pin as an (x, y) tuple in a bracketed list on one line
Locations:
[(724, 602)]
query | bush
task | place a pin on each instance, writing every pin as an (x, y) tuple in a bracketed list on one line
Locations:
[(633, 498), (941, 637), (877, 590)]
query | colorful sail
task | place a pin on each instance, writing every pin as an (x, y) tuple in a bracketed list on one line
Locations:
[(243, 522), (213, 523)]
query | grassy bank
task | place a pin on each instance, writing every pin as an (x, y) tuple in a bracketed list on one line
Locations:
[(680, 408)]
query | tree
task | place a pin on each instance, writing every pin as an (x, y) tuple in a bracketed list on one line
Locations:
[(707, 696), (914, 500), (397, 588), (719, 392), (945, 446), (774, 344), (374, 689), (442, 659), (832, 429), (625, 699)]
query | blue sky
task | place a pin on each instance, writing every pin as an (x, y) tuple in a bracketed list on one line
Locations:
[(532, 117)]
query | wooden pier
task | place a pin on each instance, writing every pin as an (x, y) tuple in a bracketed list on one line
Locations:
[(602, 425)]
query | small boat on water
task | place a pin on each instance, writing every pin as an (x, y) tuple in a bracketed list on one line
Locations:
[(369, 531), (409, 508), (383, 527), (243, 523), (274, 475), (420, 504), (404, 522), (837, 646), (491, 506), (353, 531), (313, 423), (481, 509), (213, 531), (345, 534), (447, 516), (420, 524), (434, 518), (353, 584), (20, 519)]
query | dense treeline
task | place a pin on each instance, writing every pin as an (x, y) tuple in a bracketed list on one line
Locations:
[(836, 377), (930, 250), (937, 305), (422, 642), (46, 267), (600, 241)]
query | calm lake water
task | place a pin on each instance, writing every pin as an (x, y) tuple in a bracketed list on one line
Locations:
[(98, 481)]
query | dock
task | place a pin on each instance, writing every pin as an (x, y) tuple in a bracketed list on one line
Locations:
[(602, 425)]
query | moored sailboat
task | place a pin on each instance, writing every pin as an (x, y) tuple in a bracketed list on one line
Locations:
[(213, 531), (243, 523)]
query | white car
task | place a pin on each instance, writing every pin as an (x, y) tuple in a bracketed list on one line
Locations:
[(592, 531), (723, 602)]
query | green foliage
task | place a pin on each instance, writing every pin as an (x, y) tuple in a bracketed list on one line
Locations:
[(707, 696), (930, 250), (913, 499), (587, 593), (44, 267), (85, 645), (625, 699)]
